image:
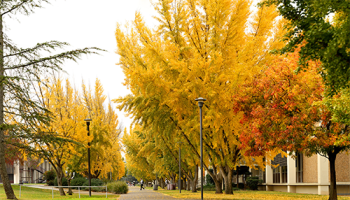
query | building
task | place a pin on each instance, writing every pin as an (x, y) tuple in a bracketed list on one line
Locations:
[(27, 172), (304, 174)]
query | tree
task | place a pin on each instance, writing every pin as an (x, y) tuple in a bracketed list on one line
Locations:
[(105, 135), (324, 38), (288, 110), (67, 123), (200, 48), (18, 67)]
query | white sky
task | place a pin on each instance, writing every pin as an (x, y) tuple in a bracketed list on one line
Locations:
[(83, 23)]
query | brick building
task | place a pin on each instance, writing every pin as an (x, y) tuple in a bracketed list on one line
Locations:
[(305, 174)]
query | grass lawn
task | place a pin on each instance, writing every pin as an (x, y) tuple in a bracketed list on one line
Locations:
[(245, 195), (34, 193)]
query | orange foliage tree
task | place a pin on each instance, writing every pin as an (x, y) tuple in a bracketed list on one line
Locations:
[(287, 110)]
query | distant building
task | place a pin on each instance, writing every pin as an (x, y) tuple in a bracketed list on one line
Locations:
[(28, 172)]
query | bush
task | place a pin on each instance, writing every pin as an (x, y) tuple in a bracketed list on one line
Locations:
[(253, 182), (118, 187), (208, 188), (80, 181), (50, 182), (64, 182), (94, 182), (49, 176), (208, 179), (240, 185)]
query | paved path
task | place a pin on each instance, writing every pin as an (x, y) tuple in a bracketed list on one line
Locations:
[(136, 194), (45, 187)]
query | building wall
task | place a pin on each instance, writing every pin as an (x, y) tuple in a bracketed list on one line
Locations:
[(342, 167), (307, 189), (310, 169), (280, 188)]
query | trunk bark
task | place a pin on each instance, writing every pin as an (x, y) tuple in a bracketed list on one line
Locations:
[(237, 177), (59, 181), (227, 175), (333, 186), (195, 180), (188, 185), (161, 181), (3, 172), (70, 192), (217, 178)]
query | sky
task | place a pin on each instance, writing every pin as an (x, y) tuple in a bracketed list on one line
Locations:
[(83, 23)]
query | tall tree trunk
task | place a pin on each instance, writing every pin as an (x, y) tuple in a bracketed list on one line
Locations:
[(59, 180), (333, 186), (184, 186), (70, 192), (217, 178), (161, 181), (188, 185), (3, 172), (227, 174), (194, 180)]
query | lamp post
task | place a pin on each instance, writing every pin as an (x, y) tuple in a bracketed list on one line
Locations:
[(88, 129), (200, 105)]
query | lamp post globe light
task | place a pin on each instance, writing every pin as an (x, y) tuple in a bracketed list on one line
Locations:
[(88, 129), (200, 105)]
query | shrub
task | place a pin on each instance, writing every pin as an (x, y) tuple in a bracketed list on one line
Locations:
[(208, 188), (240, 185), (51, 182), (94, 182), (80, 181), (253, 182), (64, 182), (118, 187), (49, 175), (208, 179)]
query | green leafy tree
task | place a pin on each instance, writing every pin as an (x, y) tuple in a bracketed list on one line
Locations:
[(19, 67), (325, 39)]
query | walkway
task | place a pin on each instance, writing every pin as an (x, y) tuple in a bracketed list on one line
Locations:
[(45, 187), (136, 194)]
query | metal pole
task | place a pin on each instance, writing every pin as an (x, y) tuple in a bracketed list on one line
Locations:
[(88, 129), (52, 192), (106, 191), (79, 192), (20, 187), (200, 104), (180, 168)]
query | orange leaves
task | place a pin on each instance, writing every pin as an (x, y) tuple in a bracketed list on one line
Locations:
[(278, 105)]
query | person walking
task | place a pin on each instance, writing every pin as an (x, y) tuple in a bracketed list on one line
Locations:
[(141, 182)]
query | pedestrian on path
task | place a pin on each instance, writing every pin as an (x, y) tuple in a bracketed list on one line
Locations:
[(141, 182)]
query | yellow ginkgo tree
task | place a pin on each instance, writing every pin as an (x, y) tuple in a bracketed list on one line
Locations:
[(105, 134), (200, 48)]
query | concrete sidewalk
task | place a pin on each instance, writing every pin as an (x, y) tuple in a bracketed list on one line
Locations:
[(45, 187)]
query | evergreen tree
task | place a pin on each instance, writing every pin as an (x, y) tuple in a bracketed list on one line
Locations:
[(19, 68)]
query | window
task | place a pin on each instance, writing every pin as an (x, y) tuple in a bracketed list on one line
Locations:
[(280, 173), (299, 166), (262, 175), (277, 175), (284, 174)]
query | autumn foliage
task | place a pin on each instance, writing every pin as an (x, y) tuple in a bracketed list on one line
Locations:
[(279, 107)]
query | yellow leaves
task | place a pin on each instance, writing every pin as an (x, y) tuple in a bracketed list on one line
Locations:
[(201, 48), (246, 194)]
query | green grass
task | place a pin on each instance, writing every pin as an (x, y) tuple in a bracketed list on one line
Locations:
[(38, 194)]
